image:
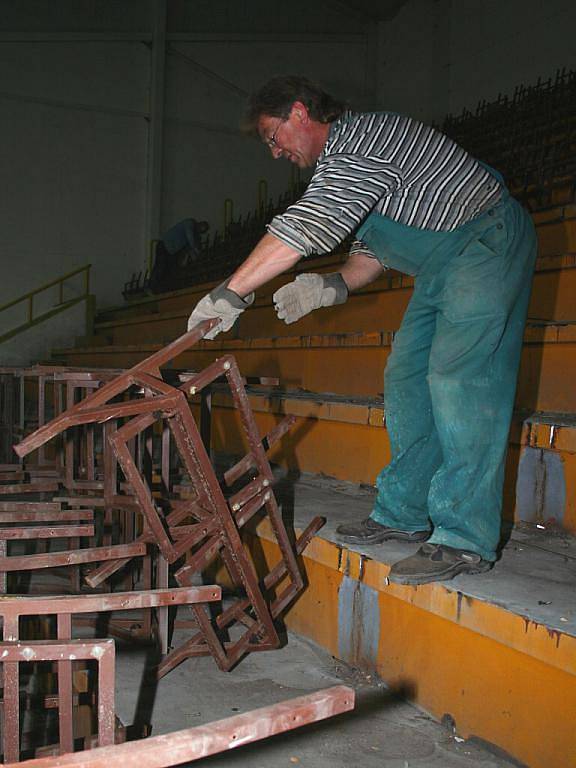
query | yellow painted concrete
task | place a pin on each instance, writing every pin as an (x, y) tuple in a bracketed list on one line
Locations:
[(379, 306), (497, 674), (552, 220), (557, 236), (351, 443), (352, 364)]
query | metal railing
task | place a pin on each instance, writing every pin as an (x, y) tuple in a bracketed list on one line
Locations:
[(27, 300)]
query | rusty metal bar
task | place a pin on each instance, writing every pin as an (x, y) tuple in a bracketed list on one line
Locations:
[(113, 388), (23, 605), (198, 466), (68, 438), (65, 692), (181, 511), (3, 574), (143, 493), (11, 723), (80, 501), (28, 488), (4, 476), (41, 412), (191, 646), (195, 743), (241, 467), (64, 607), (53, 532), (70, 557), (214, 531), (162, 578), (42, 516)]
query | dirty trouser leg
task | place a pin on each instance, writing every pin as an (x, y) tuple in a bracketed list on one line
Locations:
[(473, 370), (450, 381), (403, 485)]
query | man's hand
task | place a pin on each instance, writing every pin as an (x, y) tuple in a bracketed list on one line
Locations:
[(308, 292), (221, 303)]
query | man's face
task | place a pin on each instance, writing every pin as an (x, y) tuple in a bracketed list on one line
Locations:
[(297, 138)]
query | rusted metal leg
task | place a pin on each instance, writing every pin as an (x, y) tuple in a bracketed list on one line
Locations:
[(162, 573), (65, 716), (199, 742), (3, 574), (206, 418), (10, 669)]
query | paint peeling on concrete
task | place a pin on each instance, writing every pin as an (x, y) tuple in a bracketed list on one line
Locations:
[(459, 598), (541, 486), (347, 566), (339, 558), (358, 623), (553, 634)]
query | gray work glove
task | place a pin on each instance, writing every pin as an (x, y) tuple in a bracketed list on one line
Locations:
[(221, 303), (308, 292)]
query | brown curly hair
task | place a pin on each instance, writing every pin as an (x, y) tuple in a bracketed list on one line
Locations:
[(276, 97)]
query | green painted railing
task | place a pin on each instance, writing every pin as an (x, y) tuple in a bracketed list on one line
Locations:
[(27, 300)]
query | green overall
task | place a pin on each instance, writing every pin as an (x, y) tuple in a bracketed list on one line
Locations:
[(451, 377)]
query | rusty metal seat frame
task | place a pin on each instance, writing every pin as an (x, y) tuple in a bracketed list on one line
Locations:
[(216, 530)]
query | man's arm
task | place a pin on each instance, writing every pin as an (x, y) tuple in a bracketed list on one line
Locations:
[(227, 301), (270, 258), (360, 270)]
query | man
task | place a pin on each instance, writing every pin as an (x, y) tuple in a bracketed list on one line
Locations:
[(178, 247), (429, 209)]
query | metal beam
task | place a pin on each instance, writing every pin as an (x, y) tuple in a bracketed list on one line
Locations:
[(221, 736), (173, 37), (208, 72), (156, 127)]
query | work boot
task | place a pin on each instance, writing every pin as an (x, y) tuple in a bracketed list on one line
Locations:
[(437, 562), (368, 531)]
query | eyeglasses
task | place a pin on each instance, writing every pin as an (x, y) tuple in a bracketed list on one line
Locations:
[(271, 141)]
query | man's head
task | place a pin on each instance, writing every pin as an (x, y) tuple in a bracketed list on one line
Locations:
[(292, 116)]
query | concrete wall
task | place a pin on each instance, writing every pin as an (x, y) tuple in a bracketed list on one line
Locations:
[(74, 127), (203, 166), (440, 56), (495, 46), (74, 104), (73, 154), (34, 345), (414, 60)]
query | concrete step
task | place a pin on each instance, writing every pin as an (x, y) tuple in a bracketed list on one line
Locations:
[(346, 438), (474, 651), (353, 363), (556, 229), (381, 304)]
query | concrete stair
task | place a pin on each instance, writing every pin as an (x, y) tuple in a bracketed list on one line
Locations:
[(381, 304), (353, 363), (330, 366), (495, 654)]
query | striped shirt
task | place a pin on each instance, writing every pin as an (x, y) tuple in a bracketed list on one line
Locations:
[(390, 164)]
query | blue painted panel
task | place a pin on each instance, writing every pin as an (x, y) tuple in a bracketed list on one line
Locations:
[(541, 486), (358, 623)]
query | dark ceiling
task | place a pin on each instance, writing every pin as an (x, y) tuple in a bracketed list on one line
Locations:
[(377, 10)]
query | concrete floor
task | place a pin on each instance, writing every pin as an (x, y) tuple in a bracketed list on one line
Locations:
[(383, 730), (535, 578)]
